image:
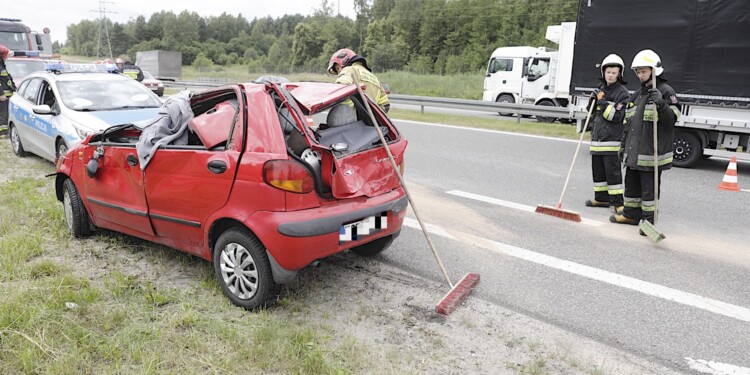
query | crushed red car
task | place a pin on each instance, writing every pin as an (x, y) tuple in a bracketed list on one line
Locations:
[(272, 177)]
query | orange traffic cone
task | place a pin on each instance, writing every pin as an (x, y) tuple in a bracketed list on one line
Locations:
[(729, 182)]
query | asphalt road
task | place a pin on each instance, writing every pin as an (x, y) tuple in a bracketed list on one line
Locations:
[(683, 302)]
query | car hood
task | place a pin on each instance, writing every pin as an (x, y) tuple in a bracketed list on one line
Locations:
[(103, 119)]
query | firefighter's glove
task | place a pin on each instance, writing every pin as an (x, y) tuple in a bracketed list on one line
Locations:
[(654, 96)]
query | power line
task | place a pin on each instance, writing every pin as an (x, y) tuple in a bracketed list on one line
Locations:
[(103, 25)]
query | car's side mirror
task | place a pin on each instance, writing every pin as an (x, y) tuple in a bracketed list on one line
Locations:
[(91, 167), (43, 109)]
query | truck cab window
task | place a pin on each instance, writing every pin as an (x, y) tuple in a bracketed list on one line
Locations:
[(501, 65), (538, 68)]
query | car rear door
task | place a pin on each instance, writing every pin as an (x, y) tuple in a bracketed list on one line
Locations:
[(25, 119), (186, 184)]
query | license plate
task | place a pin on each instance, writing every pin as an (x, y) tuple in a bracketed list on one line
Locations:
[(360, 229)]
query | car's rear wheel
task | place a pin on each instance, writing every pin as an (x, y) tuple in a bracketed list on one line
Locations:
[(60, 148), (243, 270), (375, 247), (79, 224), (15, 141), (546, 103)]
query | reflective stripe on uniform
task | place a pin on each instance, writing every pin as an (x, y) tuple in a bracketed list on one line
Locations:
[(676, 111), (605, 146), (609, 113), (632, 202), (600, 186), (616, 189), (629, 113), (648, 160), (648, 115), (648, 206)]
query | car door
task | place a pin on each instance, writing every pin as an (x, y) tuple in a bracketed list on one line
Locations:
[(25, 117), (186, 184), (115, 196), (48, 124)]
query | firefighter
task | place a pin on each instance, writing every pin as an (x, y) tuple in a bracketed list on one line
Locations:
[(637, 151), (611, 102), (128, 68), (7, 87), (344, 62)]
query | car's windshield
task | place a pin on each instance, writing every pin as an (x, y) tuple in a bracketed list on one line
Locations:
[(147, 75), (14, 40), (104, 95), (20, 68)]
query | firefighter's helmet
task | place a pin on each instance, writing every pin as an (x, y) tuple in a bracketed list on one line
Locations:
[(4, 52), (648, 58), (344, 57), (612, 60)]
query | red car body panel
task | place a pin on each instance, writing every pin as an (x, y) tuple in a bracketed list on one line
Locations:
[(185, 191)]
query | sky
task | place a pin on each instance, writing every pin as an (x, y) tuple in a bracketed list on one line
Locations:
[(57, 15)]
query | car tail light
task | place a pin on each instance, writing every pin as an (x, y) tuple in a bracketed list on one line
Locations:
[(288, 175)]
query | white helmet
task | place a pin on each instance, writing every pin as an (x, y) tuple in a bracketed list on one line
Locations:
[(612, 60), (647, 58)]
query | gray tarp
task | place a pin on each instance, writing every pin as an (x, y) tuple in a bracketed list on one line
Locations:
[(169, 127)]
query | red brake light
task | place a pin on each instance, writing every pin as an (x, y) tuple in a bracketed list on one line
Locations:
[(288, 175)]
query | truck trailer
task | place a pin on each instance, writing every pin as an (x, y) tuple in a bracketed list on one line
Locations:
[(703, 46)]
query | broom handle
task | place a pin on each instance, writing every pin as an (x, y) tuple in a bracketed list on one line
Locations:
[(656, 152), (580, 141), (400, 178)]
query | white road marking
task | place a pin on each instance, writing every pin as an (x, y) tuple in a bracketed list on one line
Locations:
[(645, 287), (716, 368), (745, 190), (490, 131), (514, 205)]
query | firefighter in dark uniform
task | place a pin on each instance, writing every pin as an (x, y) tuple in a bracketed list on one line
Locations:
[(637, 151), (611, 102), (7, 87), (128, 68)]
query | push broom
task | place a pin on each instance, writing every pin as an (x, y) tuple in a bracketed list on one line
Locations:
[(466, 285), (646, 227), (558, 211)]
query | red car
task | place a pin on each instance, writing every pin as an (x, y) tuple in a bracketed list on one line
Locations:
[(265, 185)]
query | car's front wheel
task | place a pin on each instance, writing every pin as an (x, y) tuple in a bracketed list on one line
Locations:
[(60, 148), (15, 141), (75, 213), (373, 248), (243, 270)]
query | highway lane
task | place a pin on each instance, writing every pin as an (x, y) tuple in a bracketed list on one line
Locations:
[(655, 300)]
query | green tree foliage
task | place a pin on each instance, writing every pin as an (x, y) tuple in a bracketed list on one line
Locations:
[(426, 36)]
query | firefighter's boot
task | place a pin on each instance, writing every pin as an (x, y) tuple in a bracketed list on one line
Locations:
[(596, 203), (619, 209), (622, 219)]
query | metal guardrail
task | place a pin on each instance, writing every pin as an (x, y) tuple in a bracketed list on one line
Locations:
[(428, 101)]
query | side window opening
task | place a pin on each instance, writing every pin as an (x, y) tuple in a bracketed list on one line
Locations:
[(213, 122), (500, 65)]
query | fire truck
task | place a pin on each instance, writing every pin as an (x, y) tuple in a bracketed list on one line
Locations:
[(18, 37)]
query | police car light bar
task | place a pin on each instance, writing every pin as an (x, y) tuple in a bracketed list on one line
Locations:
[(69, 68), (10, 19)]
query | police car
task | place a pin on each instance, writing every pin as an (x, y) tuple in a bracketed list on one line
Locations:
[(53, 110)]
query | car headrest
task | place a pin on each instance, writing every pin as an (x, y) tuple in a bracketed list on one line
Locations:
[(341, 114)]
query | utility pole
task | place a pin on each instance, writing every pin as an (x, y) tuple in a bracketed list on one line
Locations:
[(103, 25)]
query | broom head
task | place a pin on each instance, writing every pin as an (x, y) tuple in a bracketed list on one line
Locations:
[(651, 232), (457, 294), (559, 212)]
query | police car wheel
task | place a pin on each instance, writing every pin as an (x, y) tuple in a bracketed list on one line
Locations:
[(243, 270), (76, 216), (15, 142), (60, 149)]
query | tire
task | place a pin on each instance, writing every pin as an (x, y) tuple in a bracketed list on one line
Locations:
[(373, 248), (60, 148), (15, 141), (76, 217), (255, 288), (687, 149), (505, 98), (546, 103)]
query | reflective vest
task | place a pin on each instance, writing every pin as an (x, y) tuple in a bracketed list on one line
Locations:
[(370, 82)]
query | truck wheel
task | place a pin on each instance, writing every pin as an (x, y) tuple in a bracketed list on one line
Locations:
[(505, 98), (242, 269), (687, 149), (373, 248), (546, 103)]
